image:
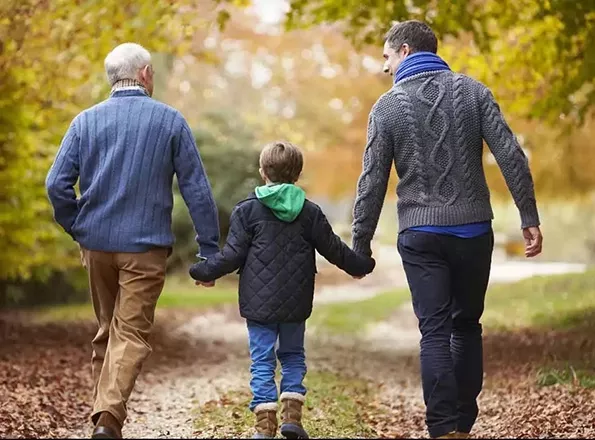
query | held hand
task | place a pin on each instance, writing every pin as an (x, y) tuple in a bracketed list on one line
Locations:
[(533, 241), (370, 269), (205, 284)]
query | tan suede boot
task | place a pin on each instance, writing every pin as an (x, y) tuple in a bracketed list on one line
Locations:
[(266, 420), (291, 416)]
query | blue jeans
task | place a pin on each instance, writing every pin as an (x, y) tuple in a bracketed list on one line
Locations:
[(263, 340), (448, 277)]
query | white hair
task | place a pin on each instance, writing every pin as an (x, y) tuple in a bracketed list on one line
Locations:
[(124, 62)]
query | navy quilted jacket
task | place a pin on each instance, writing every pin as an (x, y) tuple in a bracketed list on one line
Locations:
[(276, 260)]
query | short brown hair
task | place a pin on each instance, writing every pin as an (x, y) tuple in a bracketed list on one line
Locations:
[(418, 35), (281, 162)]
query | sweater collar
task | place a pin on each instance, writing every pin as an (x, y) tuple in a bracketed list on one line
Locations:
[(420, 62), (132, 87)]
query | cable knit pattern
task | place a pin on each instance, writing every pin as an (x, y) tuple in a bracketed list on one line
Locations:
[(373, 182), (459, 120), (510, 158), (432, 125), (439, 138), (413, 141)]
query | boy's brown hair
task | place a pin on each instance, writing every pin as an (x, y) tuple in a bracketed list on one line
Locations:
[(281, 162)]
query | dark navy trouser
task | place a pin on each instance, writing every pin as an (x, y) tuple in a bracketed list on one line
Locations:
[(448, 278)]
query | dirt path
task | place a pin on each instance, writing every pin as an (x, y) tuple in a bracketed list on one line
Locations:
[(214, 360), (164, 401)]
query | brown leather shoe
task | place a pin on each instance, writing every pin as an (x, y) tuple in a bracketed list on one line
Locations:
[(107, 427)]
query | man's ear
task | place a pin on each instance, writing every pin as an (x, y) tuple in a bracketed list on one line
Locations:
[(406, 49)]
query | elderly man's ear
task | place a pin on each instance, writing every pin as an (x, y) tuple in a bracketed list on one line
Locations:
[(145, 76)]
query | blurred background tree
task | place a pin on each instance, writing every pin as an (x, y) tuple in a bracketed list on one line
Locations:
[(540, 47), (51, 56), (51, 67), (230, 155)]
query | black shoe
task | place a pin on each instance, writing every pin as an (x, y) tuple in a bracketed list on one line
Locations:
[(104, 432), (107, 427)]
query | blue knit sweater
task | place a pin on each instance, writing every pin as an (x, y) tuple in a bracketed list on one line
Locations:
[(124, 152)]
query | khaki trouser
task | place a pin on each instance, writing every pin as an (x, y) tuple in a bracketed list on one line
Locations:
[(125, 288)]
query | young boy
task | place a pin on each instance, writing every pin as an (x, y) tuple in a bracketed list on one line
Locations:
[(272, 240)]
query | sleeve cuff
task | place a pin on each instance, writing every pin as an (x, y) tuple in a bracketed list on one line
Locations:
[(362, 247), (207, 250), (529, 217)]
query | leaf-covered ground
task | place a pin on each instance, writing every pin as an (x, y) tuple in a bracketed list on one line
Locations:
[(539, 380), (521, 398)]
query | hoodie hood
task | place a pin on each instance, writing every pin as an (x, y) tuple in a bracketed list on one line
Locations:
[(284, 199)]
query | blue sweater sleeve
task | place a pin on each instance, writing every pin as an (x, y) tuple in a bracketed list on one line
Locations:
[(232, 256), (196, 191), (61, 179)]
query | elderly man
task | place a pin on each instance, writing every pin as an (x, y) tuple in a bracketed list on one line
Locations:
[(124, 152), (432, 124)]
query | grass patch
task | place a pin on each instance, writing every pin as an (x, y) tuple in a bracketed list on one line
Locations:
[(566, 376), (557, 302), (178, 292), (64, 313), (183, 293), (548, 323), (333, 409), (353, 317)]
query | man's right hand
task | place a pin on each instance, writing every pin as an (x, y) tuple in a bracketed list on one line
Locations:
[(533, 241), (205, 284)]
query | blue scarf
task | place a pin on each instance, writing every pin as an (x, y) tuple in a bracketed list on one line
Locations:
[(419, 62)]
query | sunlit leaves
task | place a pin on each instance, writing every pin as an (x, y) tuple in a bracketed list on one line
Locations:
[(51, 67), (544, 43)]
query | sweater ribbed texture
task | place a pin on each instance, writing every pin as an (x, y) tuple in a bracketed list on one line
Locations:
[(432, 126), (125, 152)]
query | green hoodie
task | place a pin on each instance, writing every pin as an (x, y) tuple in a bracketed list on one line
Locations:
[(284, 199)]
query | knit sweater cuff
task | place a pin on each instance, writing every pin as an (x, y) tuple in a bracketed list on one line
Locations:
[(208, 250), (529, 216), (361, 246)]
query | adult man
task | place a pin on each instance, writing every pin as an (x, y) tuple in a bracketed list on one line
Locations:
[(125, 151), (432, 124)]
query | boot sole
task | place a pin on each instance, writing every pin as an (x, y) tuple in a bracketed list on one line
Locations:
[(293, 431), (101, 432)]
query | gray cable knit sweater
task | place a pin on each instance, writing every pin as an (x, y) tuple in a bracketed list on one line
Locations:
[(432, 126)]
